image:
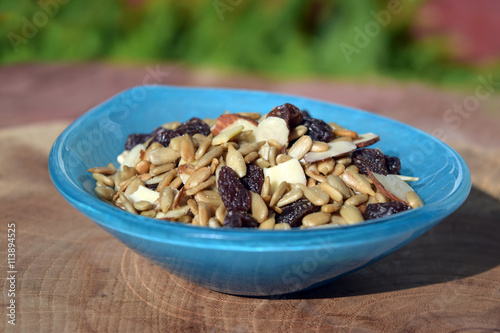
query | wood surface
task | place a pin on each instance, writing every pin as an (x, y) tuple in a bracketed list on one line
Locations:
[(74, 277)]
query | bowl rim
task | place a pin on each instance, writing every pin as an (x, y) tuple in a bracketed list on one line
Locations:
[(184, 233)]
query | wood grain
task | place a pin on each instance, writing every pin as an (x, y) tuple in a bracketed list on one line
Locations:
[(74, 277)]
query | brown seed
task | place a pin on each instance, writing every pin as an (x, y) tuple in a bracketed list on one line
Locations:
[(315, 219), (275, 143), (149, 213), (258, 208), (214, 223), (282, 158), (268, 224), (251, 115), (356, 200), (202, 149), (251, 147), (344, 132), (127, 204), (338, 169), (103, 170), (413, 199), (335, 126), (143, 205), (353, 168), (314, 194), (144, 176), (282, 226), (178, 197), (128, 172), (154, 180), (345, 161), (337, 220), (297, 132), (174, 213), (235, 161), (142, 166), (187, 149), (166, 199), (312, 171), (193, 206), (227, 135), (337, 183), (167, 179), (381, 198), (319, 146), (197, 177), (209, 182), (175, 143), (326, 166), (334, 194), (356, 182), (300, 147), (161, 169), (220, 213), (175, 183), (266, 187), (211, 198), (250, 157), (133, 186), (105, 192), (262, 163), (273, 153), (278, 193), (290, 196), (104, 179), (331, 208), (164, 155), (205, 213), (351, 214), (206, 159)]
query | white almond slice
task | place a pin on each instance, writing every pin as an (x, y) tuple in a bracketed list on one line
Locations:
[(227, 134), (365, 140), (133, 155), (230, 120), (290, 171), (408, 178), (122, 156), (271, 128), (143, 194), (391, 186), (336, 149)]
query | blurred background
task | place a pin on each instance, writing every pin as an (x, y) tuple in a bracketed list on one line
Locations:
[(444, 42)]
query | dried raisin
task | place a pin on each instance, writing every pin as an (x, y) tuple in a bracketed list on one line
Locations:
[(317, 129), (294, 212), (254, 178), (372, 159), (377, 210), (135, 139), (237, 219), (190, 127), (393, 164), (232, 191), (289, 112)]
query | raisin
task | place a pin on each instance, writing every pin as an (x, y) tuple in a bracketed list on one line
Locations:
[(393, 164), (372, 159), (232, 191), (193, 126), (254, 178), (237, 219), (294, 212), (317, 129), (135, 139), (190, 127), (377, 210), (289, 112)]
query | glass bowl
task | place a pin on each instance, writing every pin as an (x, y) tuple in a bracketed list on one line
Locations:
[(242, 261)]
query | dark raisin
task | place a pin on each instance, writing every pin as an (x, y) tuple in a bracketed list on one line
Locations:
[(162, 135), (294, 212), (135, 139), (377, 210), (193, 126), (237, 219), (232, 191), (254, 178), (152, 186), (393, 164), (317, 129), (289, 112), (372, 159)]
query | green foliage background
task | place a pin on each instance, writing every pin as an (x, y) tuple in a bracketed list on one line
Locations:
[(279, 38)]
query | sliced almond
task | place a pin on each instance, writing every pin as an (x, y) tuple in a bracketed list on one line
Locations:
[(271, 128), (391, 186), (229, 120), (290, 171), (336, 149), (365, 140)]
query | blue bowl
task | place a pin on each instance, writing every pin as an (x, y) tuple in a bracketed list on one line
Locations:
[(252, 262)]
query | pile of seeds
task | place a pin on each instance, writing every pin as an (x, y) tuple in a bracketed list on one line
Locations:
[(281, 170)]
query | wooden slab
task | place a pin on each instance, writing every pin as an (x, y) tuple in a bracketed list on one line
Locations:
[(73, 276)]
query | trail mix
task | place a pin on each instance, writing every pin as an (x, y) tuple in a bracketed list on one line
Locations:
[(281, 170)]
